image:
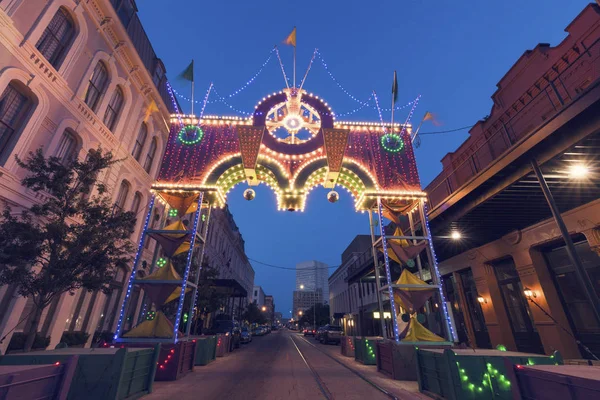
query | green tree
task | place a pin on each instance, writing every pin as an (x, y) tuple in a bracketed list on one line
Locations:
[(209, 299), (68, 241), (322, 316), (254, 315)]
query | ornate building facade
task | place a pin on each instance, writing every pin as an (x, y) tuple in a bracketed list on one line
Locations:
[(77, 75)]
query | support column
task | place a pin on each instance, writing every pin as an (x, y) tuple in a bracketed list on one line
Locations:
[(15, 309), (535, 275), (377, 277), (57, 325), (494, 311), (582, 276), (462, 301)]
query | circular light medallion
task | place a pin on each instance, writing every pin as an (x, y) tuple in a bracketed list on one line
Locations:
[(392, 143), (190, 135), (249, 194), (333, 196)]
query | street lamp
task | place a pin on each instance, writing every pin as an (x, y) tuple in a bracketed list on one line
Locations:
[(300, 313), (264, 308), (301, 286)]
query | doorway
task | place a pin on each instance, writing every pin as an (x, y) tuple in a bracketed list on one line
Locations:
[(578, 310), (482, 337), (526, 336)]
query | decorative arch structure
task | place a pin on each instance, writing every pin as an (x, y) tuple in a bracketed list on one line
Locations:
[(291, 143), (213, 153)]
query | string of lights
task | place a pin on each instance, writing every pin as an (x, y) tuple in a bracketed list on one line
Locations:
[(220, 99), (339, 85), (287, 82), (251, 80), (379, 111)]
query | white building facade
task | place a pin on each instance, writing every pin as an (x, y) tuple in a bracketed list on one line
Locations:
[(71, 80)]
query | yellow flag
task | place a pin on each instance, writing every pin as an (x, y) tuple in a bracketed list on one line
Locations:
[(431, 117), (291, 39), (151, 108)]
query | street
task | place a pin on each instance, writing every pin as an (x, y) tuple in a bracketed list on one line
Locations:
[(282, 365)]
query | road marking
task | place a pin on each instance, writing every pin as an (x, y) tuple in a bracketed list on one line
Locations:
[(321, 384), (361, 376)]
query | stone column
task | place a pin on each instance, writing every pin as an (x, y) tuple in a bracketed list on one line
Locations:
[(15, 309), (534, 274), (494, 311), (57, 325)]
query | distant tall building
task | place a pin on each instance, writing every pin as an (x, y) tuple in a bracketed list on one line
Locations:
[(311, 286), (313, 275), (270, 304)]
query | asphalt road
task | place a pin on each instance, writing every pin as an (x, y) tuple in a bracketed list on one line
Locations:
[(281, 365)]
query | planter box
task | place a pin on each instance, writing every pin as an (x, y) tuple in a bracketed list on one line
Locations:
[(399, 361), (348, 346), (457, 374), (174, 360), (103, 374), (364, 349), (19, 382), (565, 382), (223, 344), (206, 349)]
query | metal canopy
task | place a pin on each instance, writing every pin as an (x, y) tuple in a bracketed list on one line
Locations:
[(522, 204)]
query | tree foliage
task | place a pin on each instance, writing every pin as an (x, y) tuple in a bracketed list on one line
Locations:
[(322, 316), (69, 240), (254, 315)]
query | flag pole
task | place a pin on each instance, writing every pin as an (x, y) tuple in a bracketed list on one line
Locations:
[(294, 65), (192, 87), (393, 100)]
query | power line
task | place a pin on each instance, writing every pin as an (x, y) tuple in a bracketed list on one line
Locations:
[(448, 131), (288, 268)]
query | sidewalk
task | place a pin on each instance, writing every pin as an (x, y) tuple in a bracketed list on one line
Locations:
[(400, 389)]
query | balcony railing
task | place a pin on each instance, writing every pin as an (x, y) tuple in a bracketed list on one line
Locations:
[(540, 103)]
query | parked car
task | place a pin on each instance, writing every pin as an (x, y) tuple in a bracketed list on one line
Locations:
[(245, 335), (258, 331), (331, 334), (309, 332), (230, 327), (319, 333)]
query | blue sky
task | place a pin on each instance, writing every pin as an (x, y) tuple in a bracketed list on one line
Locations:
[(452, 53)]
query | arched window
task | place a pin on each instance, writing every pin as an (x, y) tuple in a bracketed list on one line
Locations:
[(57, 38), (137, 201), (112, 303), (67, 147), (15, 105), (96, 86), (111, 115), (150, 155), (139, 142), (122, 196)]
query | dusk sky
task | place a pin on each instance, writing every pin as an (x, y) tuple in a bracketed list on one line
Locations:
[(452, 53)]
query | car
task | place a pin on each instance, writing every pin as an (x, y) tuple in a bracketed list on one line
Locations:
[(258, 331), (309, 332), (318, 333), (228, 327), (245, 335), (331, 334)]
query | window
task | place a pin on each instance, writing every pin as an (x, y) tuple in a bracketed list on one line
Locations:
[(137, 201), (66, 147), (111, 115), (122, 196), (139, 141), (150, 155), (159, 72), (125, 9), (57, 38), (14, 109), (96, 86)]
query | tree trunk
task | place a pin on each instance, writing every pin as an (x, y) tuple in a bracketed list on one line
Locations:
[(35, 321)]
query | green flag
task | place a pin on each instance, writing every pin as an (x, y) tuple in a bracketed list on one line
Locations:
[(395, 88), (188, 73)]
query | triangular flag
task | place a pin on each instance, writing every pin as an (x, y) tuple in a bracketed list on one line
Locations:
[(188, 73), (291, 39), (151, 109)]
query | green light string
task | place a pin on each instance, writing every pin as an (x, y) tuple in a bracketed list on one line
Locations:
[(501, 380), (392, 137), (184, 134)]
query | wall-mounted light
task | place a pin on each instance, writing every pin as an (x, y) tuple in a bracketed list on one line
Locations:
[(387, 315), (481, 299), (529, 293), (578, 171), (455, 235), (376, 315)]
